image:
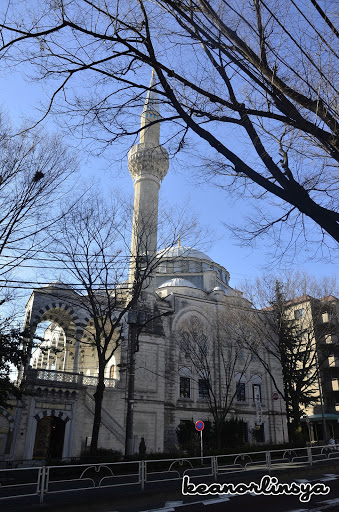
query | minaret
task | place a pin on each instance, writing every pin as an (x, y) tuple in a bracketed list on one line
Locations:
[(148, 164)]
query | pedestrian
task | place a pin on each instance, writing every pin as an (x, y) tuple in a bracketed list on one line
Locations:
[(142, 447)]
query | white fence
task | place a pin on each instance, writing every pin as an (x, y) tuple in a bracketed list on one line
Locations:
[(47, 480)]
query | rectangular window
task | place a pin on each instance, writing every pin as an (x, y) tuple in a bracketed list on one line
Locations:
[(241, 392), (203, 388), (185, 387), (299, 313), (111, 372), (257, 393)]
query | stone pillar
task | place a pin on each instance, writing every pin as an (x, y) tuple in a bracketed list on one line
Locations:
[(76, 355)]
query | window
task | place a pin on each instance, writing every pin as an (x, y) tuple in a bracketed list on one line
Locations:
[(299, 313), (111, 372), (202, 344), (241, 392), (185, 387), (257, 393), (203, 388), (185, 343), (241, 355)]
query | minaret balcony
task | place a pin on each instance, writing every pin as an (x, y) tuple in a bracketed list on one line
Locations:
[(148, 159)]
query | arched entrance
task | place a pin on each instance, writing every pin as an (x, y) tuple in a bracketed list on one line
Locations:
[(49, 438)]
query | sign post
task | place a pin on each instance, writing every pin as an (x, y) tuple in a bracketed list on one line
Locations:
[(307, 419), (199, 426)]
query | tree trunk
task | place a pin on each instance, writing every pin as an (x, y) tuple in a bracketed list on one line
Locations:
[(98, 397)]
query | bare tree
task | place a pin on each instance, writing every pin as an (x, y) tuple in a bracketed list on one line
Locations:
[(33, 168), (220, 359), (265, 73), (107, 281)]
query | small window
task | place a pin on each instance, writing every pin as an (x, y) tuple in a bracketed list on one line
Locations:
[(241, 355), (185, 344), (257, 393), (111, 372), (241, 392), (299, 313), (203, 388), (202, 344), (185, 387)]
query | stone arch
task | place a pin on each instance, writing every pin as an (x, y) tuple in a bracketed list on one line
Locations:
[(62, 314), (6, 431), (50, 430), (52, 412), (61, 306), (8, 416), (192, 331)]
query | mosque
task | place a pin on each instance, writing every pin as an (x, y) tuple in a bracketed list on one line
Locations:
[(193, 349)]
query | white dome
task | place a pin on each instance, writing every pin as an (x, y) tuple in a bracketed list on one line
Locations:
[(177, 281), (182, 252), (57, 284)]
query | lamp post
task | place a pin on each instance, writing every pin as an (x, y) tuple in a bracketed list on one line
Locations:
[(321, 399)]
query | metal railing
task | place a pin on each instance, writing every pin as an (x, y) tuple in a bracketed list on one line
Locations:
[(46, 480)]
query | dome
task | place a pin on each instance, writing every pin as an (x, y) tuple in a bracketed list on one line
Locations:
[(177, 281), (183, 252), (57, 284)]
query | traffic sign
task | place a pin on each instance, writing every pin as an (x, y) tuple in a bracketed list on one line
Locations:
[(275, 396), (199, 426)]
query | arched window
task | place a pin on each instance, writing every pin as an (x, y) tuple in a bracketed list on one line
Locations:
[(240, 382)]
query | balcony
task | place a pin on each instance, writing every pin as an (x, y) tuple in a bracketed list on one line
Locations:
[(66, 379)]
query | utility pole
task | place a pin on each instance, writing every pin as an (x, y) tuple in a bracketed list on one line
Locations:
[(132, 320)]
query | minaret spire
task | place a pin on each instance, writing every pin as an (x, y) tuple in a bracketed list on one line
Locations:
[(148, 164), (150, 114)]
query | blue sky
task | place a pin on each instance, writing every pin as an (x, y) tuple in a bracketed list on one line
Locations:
[(213, 206)]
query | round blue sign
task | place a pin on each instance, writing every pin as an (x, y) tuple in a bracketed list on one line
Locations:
[(199, 425)]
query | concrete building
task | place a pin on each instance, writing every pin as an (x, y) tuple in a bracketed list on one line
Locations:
[(316, 321), (192, 346)]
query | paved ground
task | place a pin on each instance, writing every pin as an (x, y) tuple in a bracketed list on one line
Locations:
[(168, 497)]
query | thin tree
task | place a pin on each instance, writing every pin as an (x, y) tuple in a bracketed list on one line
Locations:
[(106, 280), (220, 361), (265, 73)]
